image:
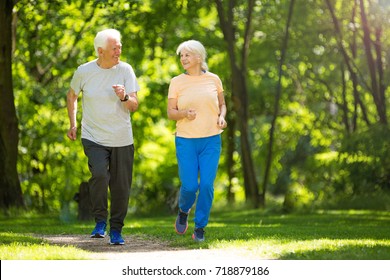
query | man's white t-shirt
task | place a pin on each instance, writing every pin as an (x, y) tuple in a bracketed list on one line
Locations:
[(106, 121)]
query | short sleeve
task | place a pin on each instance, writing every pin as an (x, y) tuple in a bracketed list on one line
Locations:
[(172, 91), (219, 85), (75, 83), (131, 83)]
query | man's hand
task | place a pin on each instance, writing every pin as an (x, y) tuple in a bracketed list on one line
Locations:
[(72, 133), (119, 91)]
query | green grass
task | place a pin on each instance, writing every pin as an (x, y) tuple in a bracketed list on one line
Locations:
[(324, 235), (14, 246)]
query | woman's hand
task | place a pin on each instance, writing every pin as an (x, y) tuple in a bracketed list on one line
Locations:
[(191, 114), (222, 122)]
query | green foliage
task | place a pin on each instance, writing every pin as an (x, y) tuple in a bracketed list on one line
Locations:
[(324, 145), (365, 161), (50, 168), (53, 39)]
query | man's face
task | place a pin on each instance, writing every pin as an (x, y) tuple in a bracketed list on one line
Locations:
[(110, 55)]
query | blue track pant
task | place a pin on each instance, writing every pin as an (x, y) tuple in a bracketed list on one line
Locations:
[(198, 164)]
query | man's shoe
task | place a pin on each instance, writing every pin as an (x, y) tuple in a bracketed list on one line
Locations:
[(181, 223), (198, 235), (99, 231), (116, 238)]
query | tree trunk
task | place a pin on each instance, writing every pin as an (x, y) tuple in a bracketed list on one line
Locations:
[(10, 190), (355, 82), (276, 104), (230, 196), (377, 95), (345, 102), (380, 67), (241, 105), (84, 203), (349, 62), (239, 91)]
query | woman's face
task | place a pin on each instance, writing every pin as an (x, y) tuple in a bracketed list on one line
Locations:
[(189, 60)]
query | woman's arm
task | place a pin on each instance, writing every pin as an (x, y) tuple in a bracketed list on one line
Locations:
[(175, 114), (222, 110)]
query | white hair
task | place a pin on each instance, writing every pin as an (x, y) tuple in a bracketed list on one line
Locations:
[(195, 47), (102, 37)]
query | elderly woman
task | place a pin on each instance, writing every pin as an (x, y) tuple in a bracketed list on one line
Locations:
[(196, 102)]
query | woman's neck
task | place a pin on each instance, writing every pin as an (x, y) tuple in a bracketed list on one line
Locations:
[(195, 72)]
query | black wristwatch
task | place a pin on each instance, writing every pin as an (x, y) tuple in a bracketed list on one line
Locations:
[(125, 99)]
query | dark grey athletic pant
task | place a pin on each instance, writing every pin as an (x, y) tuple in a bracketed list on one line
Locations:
[(111, 168)]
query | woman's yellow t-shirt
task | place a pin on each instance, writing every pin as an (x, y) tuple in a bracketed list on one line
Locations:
[(201, 94)]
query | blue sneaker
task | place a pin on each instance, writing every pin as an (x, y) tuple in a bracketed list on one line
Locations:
[(116, 238), (99, 231), (181, 223), (198, 235)]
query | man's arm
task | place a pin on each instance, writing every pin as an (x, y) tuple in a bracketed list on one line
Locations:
[(71, 104), (132, 102)]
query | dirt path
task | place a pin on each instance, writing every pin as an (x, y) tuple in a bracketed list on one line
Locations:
[(140, 248)]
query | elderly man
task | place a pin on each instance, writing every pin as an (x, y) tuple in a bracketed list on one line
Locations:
[(109, 93)]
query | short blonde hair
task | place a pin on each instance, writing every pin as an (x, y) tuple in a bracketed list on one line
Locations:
[(102, 37), (195, 47)]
